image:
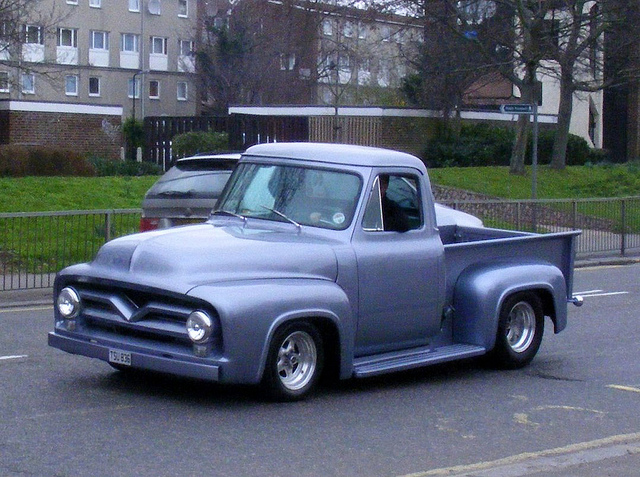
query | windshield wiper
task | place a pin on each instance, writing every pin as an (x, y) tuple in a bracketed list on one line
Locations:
[(280, 214), (230, 214)]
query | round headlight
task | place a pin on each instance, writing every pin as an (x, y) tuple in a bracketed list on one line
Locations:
[(68, 303), (199, 326)]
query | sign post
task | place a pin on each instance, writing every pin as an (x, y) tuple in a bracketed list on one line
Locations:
[(525, 108)]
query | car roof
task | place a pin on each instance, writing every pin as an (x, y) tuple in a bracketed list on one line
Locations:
[(231, 156), (336, 154)]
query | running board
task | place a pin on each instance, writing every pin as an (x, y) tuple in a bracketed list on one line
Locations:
[(414, 358)]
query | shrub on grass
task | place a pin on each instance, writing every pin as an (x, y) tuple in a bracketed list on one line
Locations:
[(108, 167), (20, 161), (194, 142), (477, 145)]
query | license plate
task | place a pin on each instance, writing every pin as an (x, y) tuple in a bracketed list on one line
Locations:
[(119, 357)]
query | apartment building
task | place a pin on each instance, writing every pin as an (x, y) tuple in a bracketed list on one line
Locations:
[(136, 54)]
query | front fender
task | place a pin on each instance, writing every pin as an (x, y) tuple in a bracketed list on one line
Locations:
[(251, 311), (480, 291)]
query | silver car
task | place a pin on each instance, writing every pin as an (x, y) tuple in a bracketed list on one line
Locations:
[(187, 192)]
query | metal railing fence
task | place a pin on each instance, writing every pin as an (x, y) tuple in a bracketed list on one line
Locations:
[(34, 246)]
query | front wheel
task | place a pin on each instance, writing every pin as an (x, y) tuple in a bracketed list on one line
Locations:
[(294, 362), (520, 331)]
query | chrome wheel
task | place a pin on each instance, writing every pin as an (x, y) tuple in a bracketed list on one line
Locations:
[(520, 330), (521, 327), (297, 360)]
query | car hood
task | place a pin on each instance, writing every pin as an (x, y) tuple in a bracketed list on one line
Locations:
[(181, 258)]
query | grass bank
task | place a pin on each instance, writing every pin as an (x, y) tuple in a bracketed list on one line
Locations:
[(36, 194)]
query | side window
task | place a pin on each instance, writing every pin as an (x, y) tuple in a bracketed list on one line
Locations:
[(394, 204)]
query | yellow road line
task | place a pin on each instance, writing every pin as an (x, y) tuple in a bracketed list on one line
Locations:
[(526, 456), (624, 388)]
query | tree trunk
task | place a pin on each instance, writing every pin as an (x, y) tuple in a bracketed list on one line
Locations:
[(565, 109), (520, 146)]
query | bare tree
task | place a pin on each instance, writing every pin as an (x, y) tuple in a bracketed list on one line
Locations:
[(578, 54), (524, 39), (23, 22)]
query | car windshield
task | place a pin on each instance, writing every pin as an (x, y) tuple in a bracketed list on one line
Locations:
[(306, 196), (178, 182)]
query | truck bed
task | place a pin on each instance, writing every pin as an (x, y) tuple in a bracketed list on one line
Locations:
[(467, 246)]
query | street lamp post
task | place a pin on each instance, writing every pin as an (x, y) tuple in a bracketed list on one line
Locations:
[(133, 94)]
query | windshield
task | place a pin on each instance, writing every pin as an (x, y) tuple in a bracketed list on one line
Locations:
[(305, 196), (190, 183)]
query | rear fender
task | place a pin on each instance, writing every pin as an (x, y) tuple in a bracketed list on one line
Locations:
[(251, 311), (480, 291)]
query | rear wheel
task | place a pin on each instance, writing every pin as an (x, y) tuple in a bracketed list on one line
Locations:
[(294, 362), (520, 330)]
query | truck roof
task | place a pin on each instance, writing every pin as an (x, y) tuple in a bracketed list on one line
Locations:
[(344, 154)]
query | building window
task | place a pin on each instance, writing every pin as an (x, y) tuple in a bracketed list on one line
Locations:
[(99, 40), (347, 30), (95, 3), (362, 31), (28, 83), (72, 2), (287, 61), (154, 89), (71, 85), (158, 45), (134, 88), (327, 27), (4, 82), (183, 8), (94, 86), (33, 35), (68, 37), (186, 47), (134, 5), (182, 91), (130, 42)]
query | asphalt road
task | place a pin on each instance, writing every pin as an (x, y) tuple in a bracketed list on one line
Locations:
[(573, 412)]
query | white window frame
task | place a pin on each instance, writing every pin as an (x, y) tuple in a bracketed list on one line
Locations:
[(159, 40), (95, 80), (133, 88), (38, 31), (23, 78), (105, 40), (156, 96), (73, 36), (95, 3), (4, 82), (71, 80), (72, 2), (136, 42), (183, 8), (182, 91), (134, 5), (181, 50), (327, 27)]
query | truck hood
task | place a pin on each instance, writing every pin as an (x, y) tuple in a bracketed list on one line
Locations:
[(183, 257)]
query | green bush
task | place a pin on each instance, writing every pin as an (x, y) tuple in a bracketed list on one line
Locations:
[(21, 161), (108, 167), (578, 150), (485, 145), (190, 143), (477, 145)]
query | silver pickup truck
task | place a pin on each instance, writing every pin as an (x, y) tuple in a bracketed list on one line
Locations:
[(318, 259)]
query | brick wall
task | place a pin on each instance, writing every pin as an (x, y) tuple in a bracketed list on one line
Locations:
[(91, 134)]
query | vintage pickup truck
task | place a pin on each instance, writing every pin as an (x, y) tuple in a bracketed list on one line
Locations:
[(318, 258)]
